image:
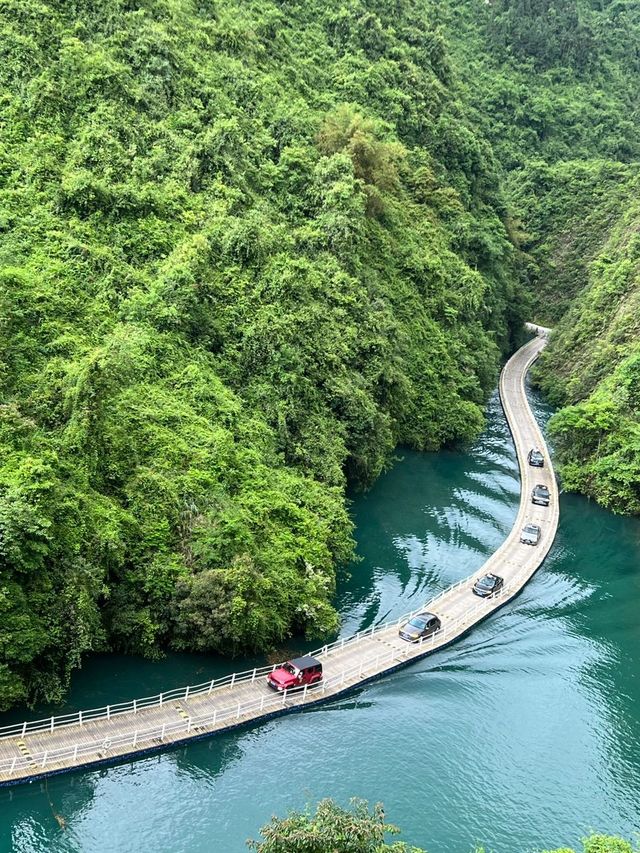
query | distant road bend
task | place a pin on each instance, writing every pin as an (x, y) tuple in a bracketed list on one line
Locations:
[(60, 744)]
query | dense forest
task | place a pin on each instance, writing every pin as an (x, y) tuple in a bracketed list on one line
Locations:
[(593, 370), (247, 248), (554, 87)]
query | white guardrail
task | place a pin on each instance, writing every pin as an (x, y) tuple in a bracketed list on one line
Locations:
[(78, 718), (154, 735)]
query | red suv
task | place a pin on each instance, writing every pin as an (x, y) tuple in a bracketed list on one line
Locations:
[(295, 673)]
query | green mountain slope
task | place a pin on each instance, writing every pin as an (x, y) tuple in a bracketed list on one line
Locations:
[(594, 365), (555, 89), (246, 249)]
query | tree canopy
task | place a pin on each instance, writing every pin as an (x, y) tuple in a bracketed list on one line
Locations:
[(246, 250), (359, 829)]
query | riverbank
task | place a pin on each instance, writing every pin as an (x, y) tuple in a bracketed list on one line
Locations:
[(563, 683)]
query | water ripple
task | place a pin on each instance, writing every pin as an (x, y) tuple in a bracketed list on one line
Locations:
[(537, 709)]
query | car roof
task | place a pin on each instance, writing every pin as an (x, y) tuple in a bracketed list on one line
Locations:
[(305, 662)]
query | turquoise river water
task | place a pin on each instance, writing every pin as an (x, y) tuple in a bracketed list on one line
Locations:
[(523, 735)]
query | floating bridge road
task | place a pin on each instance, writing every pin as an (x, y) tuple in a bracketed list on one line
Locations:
[(60, 744)]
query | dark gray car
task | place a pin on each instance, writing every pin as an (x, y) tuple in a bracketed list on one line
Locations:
[(536, 458), (540, 495), (488, 585), (421, 625)]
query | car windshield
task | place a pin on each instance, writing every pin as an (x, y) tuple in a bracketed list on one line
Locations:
[(486, 582), (418, 622), (290, 668), (530, 528)]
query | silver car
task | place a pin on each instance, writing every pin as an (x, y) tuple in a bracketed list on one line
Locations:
[(530, 534)]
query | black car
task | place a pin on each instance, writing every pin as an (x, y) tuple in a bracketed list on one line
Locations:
[(488, 585), (540, 495), (422, 625), (536, 458)]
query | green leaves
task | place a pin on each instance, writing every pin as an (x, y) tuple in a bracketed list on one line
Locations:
[(594, 363), (358, 829), (223, 296), (375, 161), (331, 829)]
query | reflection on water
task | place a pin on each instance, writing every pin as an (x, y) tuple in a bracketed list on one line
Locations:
[(537, 709), (429, 521)]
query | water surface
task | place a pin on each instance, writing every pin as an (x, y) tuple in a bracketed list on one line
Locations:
[(523, 735)]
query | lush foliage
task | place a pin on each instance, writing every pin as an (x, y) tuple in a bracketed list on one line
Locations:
[(332, 829), (246, 249), (594, 366), (555, 87)]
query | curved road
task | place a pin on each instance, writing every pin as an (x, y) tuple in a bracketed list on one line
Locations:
[(107, 735)]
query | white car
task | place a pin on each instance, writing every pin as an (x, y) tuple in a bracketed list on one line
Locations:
[(530, 534)]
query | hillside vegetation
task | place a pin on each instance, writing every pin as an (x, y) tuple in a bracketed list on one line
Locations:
[(594, 366), (555, 89), (247, 248)]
